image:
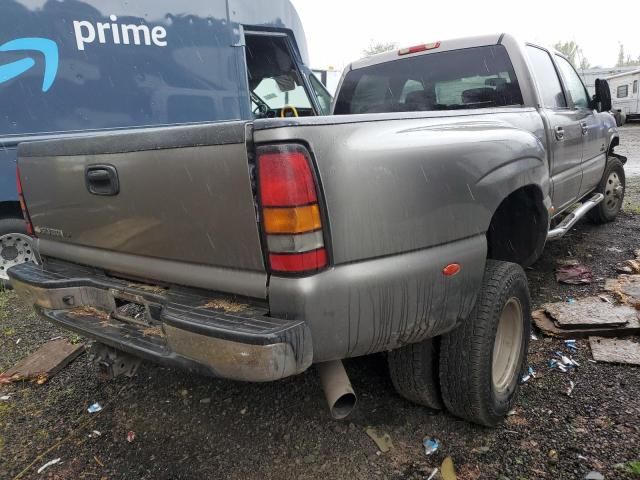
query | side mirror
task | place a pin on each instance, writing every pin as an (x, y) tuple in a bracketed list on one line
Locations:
[(602, 98)]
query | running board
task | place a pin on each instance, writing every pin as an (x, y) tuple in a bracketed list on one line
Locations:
[(571, 219)]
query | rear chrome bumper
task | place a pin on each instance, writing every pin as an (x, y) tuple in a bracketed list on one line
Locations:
[(199, 330)]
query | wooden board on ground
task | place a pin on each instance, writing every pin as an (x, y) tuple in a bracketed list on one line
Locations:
[(545, 323), (590, 312), (615, 350), (45, 362)]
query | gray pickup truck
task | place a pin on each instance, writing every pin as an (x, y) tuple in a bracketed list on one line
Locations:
[(253, 249)]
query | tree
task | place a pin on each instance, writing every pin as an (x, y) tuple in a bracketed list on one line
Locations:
[(584, 63), (621, 57), (570, 49), (378, 47), (626, 60)]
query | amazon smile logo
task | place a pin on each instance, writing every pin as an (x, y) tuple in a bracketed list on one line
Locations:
[(42, 46)]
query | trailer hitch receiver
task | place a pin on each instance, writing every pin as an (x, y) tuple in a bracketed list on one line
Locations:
[(112, 363)]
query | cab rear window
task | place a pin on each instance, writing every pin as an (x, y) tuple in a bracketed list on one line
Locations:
[(480, 77)]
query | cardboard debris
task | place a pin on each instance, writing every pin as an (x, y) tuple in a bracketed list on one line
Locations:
[(588, 312), (44, 363), (546, 324), (615, 350), (628, 266), (626, 288)]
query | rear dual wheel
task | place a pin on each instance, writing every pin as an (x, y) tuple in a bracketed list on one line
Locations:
[(476, 372)]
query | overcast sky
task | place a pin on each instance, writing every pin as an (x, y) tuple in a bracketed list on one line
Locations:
[(338, 30)]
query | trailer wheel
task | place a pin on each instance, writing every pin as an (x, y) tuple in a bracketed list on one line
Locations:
[(414, 373), (12, 248), (481, 362), (612, 186)]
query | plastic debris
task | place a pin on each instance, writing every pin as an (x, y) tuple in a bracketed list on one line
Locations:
[(534, 336), (433, 474), (571, 300), (131, 436), (593, 475), (431, 445), (383, 442), (48, 464), (95, 408), (570, 388), (571, 345), (5, 398), (18, 341), (574, 274), (531, 373), (510, 413), (582, 457), (94, 434)]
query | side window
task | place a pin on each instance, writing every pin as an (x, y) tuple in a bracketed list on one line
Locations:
[(623, 91), (547, 78), (324, 97), (574, 84), (635, 86)]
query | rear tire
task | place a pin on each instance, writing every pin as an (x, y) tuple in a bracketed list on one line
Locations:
[(612, 186), (414, 373), (7, 226), (481, 362)]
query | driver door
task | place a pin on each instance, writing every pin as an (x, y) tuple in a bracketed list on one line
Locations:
[(594, 135), (564, 133)]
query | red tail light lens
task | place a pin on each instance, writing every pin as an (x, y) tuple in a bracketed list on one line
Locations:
[(23, 205), (291, 217), (286, 179)]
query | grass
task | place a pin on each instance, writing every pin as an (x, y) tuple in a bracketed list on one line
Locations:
[(634, 467)]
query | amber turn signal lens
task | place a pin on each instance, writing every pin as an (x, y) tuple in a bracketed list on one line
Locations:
[(292, 220)]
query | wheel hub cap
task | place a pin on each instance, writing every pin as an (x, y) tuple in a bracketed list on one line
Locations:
[(614, 191), (15, 249), (507, 346)]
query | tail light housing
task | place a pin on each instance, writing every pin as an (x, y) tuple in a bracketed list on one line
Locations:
[(291, 212), (23, 205)]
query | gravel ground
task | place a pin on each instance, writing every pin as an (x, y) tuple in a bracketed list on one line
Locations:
[(190, 427)]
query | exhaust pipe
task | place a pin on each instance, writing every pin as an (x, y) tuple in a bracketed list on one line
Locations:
[(337, 388)]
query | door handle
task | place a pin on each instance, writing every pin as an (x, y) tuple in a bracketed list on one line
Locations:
[(102, 180), (585, 128), (559, 133)]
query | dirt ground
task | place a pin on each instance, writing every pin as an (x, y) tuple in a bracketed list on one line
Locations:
[(191, 427)]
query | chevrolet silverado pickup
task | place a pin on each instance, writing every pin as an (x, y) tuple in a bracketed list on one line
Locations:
[(252, 249)]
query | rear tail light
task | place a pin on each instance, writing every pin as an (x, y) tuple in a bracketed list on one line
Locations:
[(291, 217), (23, 205)]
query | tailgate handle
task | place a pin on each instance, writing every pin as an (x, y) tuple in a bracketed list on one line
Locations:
[(102, 180)]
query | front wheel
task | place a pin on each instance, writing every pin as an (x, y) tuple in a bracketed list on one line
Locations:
[(482, 360), (612, 186)]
